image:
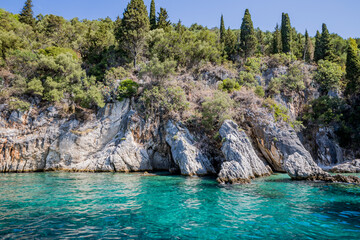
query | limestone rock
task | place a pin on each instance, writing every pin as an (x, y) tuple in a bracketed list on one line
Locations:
[(242, 163), (349, 167), (328, 150), (189, 158), (284, 151)]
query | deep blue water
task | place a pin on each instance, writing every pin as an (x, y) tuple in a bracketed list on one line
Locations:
[(132, 206)]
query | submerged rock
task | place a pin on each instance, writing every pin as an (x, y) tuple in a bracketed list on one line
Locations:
[(241, 162), (185, 154)]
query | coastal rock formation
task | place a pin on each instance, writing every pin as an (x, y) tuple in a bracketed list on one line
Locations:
[(349, 167), (104, 143), (241, 162), (118, 139), (115, 139), (283, 149), (328, 150), (185, 154)]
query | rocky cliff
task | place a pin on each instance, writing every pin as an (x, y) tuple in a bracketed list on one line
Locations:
[(118, 139)]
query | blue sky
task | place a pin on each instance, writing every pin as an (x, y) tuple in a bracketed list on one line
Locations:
[(341, 16)]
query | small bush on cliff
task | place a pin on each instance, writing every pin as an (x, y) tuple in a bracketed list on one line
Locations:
[(279, 112), (127, 89), (292, 81), (17, 104), (259, 91), (159, 70), (35, 87), (163, 100), (247, 79), (216, 110), (229, 85)]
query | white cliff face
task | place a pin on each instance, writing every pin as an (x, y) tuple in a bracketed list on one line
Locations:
[(118, 139), (103, 144), (190, 160), (241, 161), (112, 141)]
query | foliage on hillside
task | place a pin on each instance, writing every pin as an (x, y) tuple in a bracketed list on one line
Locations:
[(48, 59)]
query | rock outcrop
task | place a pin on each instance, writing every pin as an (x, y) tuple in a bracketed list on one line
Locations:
[(115, 139), (241, 162), (349, 167), (328, 150), (186, 155), (118, 139), (283, 149)]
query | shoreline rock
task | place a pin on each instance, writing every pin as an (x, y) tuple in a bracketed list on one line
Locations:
[(241, 162)]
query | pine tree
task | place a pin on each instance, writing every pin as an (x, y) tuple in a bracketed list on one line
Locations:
[(353, 68), (318, 47), (163, 21), (152, 15), (222, 29), (248, 39), (134, 27), (308, 48), (276, 47), (27, 14), (286, 33)]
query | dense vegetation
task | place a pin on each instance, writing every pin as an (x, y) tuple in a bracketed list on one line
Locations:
[(84, 64)]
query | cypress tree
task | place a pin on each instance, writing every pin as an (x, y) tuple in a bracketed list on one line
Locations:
[(248, 40), (222, 29), (152, 15), (353, 68), (325, 43), (230, 43), (276, 47), (318, 47), (163, 21), (134, 26), (308, 48), (286, 32), (180, 28), (27, 14)]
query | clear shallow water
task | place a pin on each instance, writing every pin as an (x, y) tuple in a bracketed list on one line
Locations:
[(131, 206)]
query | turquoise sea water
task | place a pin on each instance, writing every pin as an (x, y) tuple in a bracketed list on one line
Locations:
[(132, 206)]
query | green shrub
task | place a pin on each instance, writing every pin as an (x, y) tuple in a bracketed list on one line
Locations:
[(279, 111), (259, 91), (216, 110), (229, 85), (328, 75), (275, 86), (292, 81), (164, 100), (127, 89), (113, 74), (35, 87), (325, 110), (20, 105), (56, 51), (281, 59), (158, 69), (253, 65), (247, 79)]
